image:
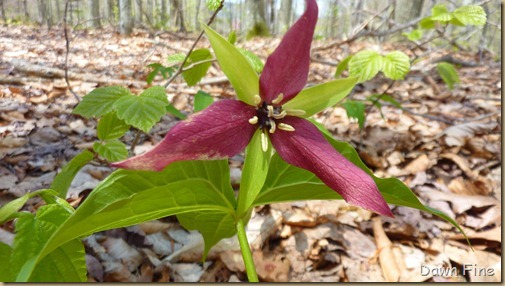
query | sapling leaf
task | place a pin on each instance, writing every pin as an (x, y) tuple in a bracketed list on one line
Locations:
[(62, 181), (448, 74), (112, 150), (316, 98), (175, 112), (395, 65), (142, 111), (470, 15), (427, 23), (236, 67), (202, 100), (159, 68), (10, 210), (365, 65), (212, 5), (175, 58), (195, 73), (355, 109), (111, 127), (414, 35), (342, 66), (440, 13), (232, 37), (100, 101)]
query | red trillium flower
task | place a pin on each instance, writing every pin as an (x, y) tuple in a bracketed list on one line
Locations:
[(225, 128)]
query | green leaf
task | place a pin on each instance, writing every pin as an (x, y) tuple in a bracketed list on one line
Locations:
[(384, 98), (159, 68), (427, 23), (414, 35), (365, 65), (143, 111), (471, 15), (213, 226), (131, 197), (254, 173), (448, 74), (290, 183), (176, 58), (26, 243), (212, 5), (316, 98), (112, 150), (100, 101), (62, 181), (111, 127), (202, 100), (232, 37), (253, 59), (10, 210), (195, 73), (342, 66), (6, 273), (440, 13), (235, 66), (355, 109), (175, 112), (395, 65)]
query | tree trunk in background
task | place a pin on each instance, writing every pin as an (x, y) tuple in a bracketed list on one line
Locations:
[(179, 11), (406, 10), (2, 8), (95, 13), (258, 11), (197, 13), (125, 17), (163, 15), (25, 7), (139, 12), (285, 15)]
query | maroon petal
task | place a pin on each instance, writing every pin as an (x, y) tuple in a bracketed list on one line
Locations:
[(220, 131), (306, 148), (287, 68)]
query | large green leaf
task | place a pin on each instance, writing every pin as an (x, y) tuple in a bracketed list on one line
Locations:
[(143, 111), (395, 65), (6, 273), (440, 13), (290, 183), (130, 197), (10, 210), (100, 101), (316, 98), (448, 74), (195, 73), (471, 15), (112, 150), (202, 100), (365, 65), (111, 127), (355, 109), (235, 66), (254, 172), (62, 181)]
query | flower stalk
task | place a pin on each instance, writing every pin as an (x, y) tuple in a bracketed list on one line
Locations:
[(252, 276)]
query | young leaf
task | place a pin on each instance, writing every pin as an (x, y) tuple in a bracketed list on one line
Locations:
[(10, 210), (175, 58), (254, 172), (142, 111), (414, 35), (395, 65), (212, 5), (355, 109), (342, 66), (195, 74), (112, 150), (202, 100), (159, 68), (235, 66), (6, 273), (62, 181), (427, 23), (111, 127), (100, 101), (365, 65), (440, 13), (290, 183), (175, 112), (232, 37), (471, 15), (448, 74), (253, 59), (316, 98)]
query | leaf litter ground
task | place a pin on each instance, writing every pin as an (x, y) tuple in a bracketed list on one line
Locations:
[(443, 144)]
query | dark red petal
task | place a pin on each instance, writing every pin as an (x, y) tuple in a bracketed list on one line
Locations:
[(306, 148), (220, 131), (287, 68)]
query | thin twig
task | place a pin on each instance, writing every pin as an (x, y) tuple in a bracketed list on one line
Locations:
[(67, 45), (179, 70)]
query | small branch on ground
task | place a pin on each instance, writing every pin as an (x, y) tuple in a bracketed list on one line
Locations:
[(67, 45)]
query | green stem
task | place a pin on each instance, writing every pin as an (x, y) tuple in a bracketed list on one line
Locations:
[(246, 252)]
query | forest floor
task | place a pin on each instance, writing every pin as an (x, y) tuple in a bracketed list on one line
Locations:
[(444, 144)]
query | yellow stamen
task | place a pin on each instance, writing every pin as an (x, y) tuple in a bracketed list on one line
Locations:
[(279, 98), (253, 120), (270, 111), (257, 99), (280, 115), (295, 112), (272, 126), (286, 127), (264, 142)]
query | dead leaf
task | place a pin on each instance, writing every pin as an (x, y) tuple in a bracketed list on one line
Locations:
[(389, 265), (457, 135)]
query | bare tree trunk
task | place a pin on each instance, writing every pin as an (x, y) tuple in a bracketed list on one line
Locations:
[(406, 10), (95, 13), (179, 10), (285, 15), (197, 13), (25, 8), (4, 18), (125, 17)]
